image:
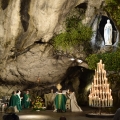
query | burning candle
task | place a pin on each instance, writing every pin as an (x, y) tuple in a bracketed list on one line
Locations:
[(103, 95), (90, 100), (105, 102), (110, 91), (102, 103), (103, 66), (94, 80)]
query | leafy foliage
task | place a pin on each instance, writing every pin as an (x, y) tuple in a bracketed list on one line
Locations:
[(38, 103), (75, 34), (111, 60), (113, 8)]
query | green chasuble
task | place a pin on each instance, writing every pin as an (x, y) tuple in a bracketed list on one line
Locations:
[(12, 101), (60, 102), (18, 103), (26, 100)]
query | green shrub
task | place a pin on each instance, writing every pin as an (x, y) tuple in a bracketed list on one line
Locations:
[(76, 33), (113, 9)]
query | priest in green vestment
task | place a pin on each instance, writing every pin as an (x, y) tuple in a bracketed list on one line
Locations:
[(12, 101), (60, 102), (26, 100), (18, 100)]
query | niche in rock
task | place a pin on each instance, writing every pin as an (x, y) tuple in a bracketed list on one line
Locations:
[(102, 23)]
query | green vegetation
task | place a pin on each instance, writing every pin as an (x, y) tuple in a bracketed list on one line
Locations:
[(113, 9), (76, 33), (111, 60)]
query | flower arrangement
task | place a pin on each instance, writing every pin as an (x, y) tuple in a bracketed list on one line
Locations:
[(38, 104)]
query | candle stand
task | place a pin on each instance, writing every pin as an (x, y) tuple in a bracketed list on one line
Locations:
[(100, 93)]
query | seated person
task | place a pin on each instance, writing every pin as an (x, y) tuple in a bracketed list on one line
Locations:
[(60, 102), (62, 118), (10, 114), (117, 115)]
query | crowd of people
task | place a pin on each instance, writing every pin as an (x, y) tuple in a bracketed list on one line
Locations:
[(19, 102), (16, 104)]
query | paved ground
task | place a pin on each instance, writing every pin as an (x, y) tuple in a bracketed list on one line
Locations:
[(50, 115)]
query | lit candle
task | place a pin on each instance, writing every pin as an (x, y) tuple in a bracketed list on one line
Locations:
[(104, 73), (111, 102), (95, 100), (99, 102), (90, 100), (102, 82), (92, 88), (105, 102), (97, 66), (103, 65), (102, 103), (103, 95), (107, 87), (100, 95), (95, 73), (110, 91), (106, 80), (94, 80)]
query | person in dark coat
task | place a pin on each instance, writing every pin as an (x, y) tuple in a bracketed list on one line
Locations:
[(62, 118), (10, 114), (18, 100), (117, 115)]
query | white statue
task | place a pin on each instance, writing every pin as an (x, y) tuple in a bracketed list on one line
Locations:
[(108, 33)]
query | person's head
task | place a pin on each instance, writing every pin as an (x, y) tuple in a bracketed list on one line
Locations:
[(18, 92), (10, 110), (108, 21), (62, 118), (14, 92), (27, 91), (51, 90)]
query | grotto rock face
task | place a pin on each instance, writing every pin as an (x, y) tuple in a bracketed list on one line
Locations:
[(26, 27)]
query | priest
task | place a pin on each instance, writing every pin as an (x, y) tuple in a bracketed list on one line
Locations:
[(12, 101), (26, 100), (18, 100), (60, 102)]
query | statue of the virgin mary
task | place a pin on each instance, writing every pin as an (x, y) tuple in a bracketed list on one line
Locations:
[(108, 33)]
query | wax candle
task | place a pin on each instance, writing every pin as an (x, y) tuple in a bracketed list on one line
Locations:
[(103, 66), (105, 102), (110, 91), (102, 103)]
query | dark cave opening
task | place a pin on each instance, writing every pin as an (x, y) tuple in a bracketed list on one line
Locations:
[(84, 75)]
